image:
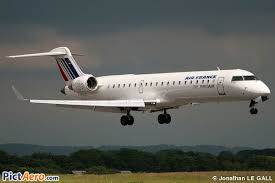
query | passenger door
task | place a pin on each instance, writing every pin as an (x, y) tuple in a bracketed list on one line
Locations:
[(220, 86), (140, 87)]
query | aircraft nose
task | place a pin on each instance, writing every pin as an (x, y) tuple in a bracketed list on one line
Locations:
[(268, 91), (263, 89), (258, 89)]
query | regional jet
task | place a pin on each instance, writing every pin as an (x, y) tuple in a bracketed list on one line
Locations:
[(158, 92)]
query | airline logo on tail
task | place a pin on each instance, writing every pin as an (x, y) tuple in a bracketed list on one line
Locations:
[(67, 69)]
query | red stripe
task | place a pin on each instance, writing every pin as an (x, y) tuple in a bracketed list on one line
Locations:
[(62, 73)]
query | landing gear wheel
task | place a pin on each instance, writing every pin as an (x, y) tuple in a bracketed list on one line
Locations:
[(161, 118), (124, 120), (253, 111), (130, 120), (164, 118), (127, 120), (168, 118)]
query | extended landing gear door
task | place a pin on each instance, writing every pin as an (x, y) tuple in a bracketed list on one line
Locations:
[(220, 86), (140, 87)]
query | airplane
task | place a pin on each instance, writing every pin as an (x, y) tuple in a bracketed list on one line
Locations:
[(156, 92)]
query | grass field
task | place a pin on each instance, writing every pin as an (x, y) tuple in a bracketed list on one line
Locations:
[(178, 177)]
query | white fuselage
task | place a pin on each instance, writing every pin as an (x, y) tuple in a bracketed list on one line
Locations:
[(171, 90), (149, 92)]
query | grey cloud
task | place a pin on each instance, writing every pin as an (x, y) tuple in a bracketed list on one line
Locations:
[(97, 17)]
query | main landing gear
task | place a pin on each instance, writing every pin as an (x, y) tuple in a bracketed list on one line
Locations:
[(164, 118), (253, 109), (127, 119)]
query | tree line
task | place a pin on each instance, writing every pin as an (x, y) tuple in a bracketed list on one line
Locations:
[(106, 162)]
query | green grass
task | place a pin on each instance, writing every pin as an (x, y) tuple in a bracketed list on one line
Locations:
[(177, 177)]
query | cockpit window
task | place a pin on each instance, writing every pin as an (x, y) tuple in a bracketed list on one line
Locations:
[(237, 78), (249, 78), (244, 78)]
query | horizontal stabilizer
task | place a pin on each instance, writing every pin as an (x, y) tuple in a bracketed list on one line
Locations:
[(38, 54), (67, 66)]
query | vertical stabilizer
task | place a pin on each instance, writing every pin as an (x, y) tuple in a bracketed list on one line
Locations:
[(65, 61), (66, 64)]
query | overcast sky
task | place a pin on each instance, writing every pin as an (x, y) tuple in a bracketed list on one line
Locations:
[(143, 36)]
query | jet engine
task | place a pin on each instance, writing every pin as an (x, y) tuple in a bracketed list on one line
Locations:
[(84, 84)]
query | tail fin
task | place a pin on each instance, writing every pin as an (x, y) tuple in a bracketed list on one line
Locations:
[(65, 61), (67, 65)]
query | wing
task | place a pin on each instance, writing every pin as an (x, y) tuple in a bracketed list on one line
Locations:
[(92, 103), (84, 103)]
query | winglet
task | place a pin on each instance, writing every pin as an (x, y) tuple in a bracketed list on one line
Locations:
[(18, 94)]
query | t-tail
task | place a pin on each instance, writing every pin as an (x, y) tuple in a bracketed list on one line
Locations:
[(65, 62)]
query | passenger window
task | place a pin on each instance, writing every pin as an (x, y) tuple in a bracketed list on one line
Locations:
[(156, 83), (208, 81), (118, 85), (135, 85), (202, 81), (185, 82), (179, 82), (168, 83), (129, 85), (145, 84), (173, 82), (114, 85), (197, 81), (123, 85), (151, 84), (237, 78), (191, 82), (161, 83)]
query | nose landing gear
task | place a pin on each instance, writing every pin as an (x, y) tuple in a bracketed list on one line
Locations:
[(253, 102), (253, 109)]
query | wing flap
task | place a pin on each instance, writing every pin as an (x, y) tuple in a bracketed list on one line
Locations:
[(93, 103)]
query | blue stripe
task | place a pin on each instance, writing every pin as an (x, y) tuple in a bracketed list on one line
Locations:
[(66, 65), (65, 69), (71, 67)]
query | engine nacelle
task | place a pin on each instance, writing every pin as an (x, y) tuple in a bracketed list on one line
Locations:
[(84, 84)]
